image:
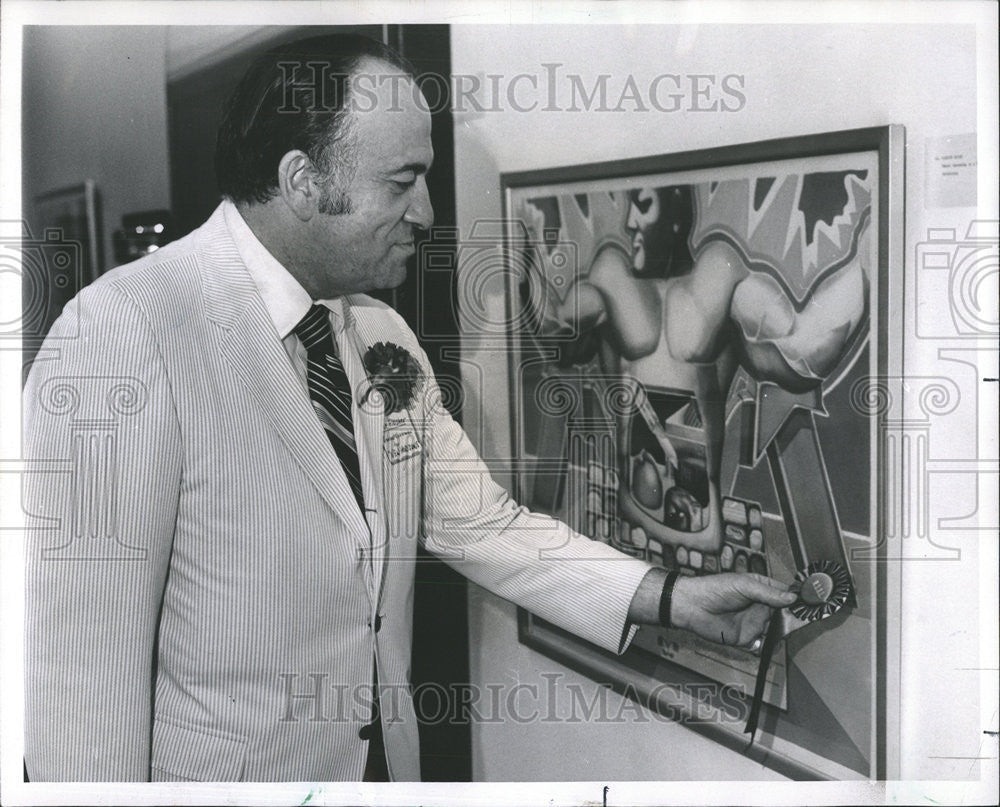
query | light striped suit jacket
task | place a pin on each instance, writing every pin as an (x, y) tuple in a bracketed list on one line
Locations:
[(202, 590)]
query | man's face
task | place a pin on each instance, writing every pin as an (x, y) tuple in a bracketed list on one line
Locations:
[(368, 246)]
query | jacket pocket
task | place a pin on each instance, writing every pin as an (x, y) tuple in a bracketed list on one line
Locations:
[(184, 753)]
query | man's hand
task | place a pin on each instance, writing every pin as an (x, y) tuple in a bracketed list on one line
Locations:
[(731, 609)]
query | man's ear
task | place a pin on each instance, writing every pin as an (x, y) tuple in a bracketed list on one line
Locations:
[(297, 184)]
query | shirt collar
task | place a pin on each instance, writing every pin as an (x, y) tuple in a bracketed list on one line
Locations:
[(285, 299)]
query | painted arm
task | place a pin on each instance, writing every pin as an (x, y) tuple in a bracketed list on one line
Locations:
[(611, 295)]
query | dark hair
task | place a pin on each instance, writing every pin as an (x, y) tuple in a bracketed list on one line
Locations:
[(291, 97)]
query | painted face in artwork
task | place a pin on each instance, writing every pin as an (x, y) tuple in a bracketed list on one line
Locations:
[(659, 222)]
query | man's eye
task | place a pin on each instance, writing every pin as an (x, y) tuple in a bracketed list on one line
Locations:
[(405, 183)]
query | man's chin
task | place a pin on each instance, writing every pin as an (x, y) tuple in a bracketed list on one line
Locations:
[(383, 278), (394, 279)]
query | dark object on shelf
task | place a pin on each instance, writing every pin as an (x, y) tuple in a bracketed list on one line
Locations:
[(142, 233)]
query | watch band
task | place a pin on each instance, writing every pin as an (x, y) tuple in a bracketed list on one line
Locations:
[(665, 597)]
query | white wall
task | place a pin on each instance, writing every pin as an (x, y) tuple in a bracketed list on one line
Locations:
[(95, 107), (797, 80)]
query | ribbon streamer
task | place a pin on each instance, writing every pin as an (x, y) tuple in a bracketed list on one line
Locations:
[(774, 635)]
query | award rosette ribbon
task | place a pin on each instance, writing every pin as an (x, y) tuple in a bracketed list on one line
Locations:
[(823, 588)]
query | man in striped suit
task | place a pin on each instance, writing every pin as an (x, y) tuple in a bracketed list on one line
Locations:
[(221, 559)]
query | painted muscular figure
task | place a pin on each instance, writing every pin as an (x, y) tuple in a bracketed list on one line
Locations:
[(678, 326)]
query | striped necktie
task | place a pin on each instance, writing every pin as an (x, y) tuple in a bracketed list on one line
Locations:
[(330, 392)]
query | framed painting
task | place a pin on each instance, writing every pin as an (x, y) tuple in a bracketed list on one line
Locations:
[(695, 342)]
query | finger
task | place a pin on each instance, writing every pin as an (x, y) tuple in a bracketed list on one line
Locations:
[(772, 625), (753, 588), (769, 581), (755, 624)]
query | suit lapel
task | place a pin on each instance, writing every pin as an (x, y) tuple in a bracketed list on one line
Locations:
[(400, 483), (369, 410), (250, 345), (370, 421)]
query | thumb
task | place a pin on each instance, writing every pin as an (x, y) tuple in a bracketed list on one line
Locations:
[(765, 590)]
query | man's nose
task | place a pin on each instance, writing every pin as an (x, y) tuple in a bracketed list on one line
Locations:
[(420, 213)]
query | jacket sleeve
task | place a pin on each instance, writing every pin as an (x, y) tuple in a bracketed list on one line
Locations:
[(473, 524), (102, 439)]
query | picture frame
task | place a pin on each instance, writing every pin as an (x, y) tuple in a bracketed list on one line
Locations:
[(696, 343), (73, 211)]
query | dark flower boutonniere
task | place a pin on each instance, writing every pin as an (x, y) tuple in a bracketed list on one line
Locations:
[(394, 373)]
